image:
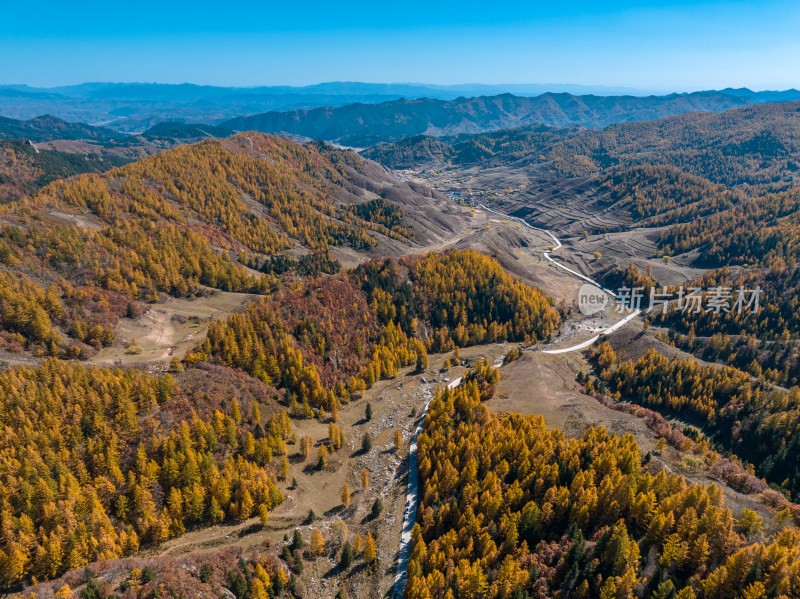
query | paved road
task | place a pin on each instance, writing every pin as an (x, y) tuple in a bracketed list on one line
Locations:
[(589, 342), (558, 245)]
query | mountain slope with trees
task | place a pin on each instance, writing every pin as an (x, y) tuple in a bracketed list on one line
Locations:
[(25, 169), (97, 462), (510, 509), (744, 416), (757, 147), (177, 223), (48, 127), (336, 336)]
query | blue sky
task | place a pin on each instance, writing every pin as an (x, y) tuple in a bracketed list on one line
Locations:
[(670, 45)]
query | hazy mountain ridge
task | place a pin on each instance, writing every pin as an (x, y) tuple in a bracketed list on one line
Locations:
[(48, 127), (134, 107), (362, 125), (178, 130)]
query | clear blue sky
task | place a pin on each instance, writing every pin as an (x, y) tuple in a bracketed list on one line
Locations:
[(669, 45)]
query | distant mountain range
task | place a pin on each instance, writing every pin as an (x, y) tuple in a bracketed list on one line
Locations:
[(365, 125), (187, 92), (134, 107), (48, 127)]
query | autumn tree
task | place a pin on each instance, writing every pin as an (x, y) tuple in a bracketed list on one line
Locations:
[(345, 494)]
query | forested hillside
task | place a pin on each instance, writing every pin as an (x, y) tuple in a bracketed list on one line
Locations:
[(757, 146), (24, 169), (510, 509), (336, 336), (744, 416), (661, 195), (95, 462), (80, 252), (724, 226), (760, 342), (47, 127), (503, 146), (761, 231)]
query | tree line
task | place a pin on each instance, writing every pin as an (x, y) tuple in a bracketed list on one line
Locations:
[(338, 335), (95, 462), (749, 418), (175, 223), (510, 509)]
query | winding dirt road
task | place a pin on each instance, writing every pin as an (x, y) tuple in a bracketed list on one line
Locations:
[(412, 495)]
